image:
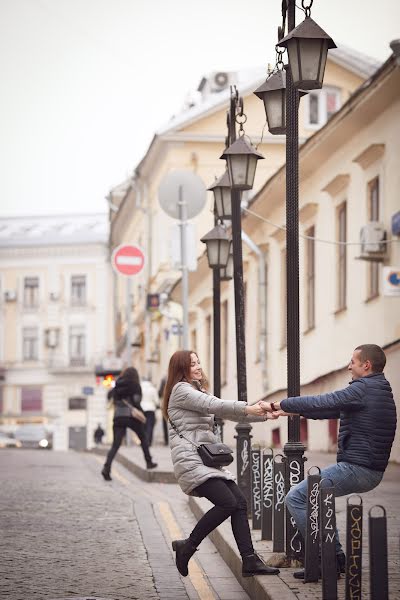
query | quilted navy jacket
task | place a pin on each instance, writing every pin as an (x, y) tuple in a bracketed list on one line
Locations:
[(367, 415)]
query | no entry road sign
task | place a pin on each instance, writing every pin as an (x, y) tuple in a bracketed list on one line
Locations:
[(127, 260)]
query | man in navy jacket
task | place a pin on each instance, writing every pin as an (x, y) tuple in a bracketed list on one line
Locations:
[(367, 413)]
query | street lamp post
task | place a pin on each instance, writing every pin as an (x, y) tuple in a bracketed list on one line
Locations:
[(307, 47), (218, 253), (241, 163)]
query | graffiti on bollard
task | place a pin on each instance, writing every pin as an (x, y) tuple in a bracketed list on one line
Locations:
[(243, 449), (354, 523), (256, 489), (294, 473), (378, 555), (267, 493), (328, 539), (279, 505), (311, 559)]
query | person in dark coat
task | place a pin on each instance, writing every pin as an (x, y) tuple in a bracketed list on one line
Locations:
[(367, 413), (98, 434), (126, 395)]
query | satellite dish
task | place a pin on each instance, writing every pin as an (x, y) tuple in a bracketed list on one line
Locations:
[(185, 186)]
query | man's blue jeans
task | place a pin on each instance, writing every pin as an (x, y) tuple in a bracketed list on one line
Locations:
[(347, 479)]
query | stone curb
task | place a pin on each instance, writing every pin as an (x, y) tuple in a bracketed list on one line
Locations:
[(153, 475), (265, 587)]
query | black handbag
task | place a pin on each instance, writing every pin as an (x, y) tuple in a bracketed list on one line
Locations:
[(213, 455)]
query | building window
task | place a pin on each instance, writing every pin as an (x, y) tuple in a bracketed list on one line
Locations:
[(283, 301), (78, 290), (77, 403), (30, 343), (341, 256), (224, 342), (373, 215), (276, 437), (31, 292), (310, 277), (31, 399), (77, 345), (321, 105), (1, 399)]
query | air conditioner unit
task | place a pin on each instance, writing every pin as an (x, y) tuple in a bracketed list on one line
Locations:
[(220, 80), (10, 295), (54, 296), (373, 238)]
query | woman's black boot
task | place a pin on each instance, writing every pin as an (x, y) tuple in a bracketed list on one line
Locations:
[(184, 551), (253, 565), (106, 473)]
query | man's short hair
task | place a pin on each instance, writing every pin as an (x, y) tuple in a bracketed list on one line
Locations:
[(374, 354)]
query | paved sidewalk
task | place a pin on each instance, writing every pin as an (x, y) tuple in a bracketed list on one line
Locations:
[(285, 587)]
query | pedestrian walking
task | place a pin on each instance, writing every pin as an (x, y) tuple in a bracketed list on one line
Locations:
[(367, 413), (149, 406), (190, 410), (98, 434), (164, 421), (126, 396)]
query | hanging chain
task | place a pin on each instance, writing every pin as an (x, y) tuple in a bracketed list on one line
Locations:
[(307, 4)]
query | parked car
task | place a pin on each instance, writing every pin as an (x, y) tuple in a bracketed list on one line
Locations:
[(34, 436), (7, 441)]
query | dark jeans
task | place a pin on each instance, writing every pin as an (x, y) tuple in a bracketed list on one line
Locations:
[(119, 430), (228, 501), (149, 425)]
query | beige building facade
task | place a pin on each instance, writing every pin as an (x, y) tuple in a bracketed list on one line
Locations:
[(348, 170), (55, 324)]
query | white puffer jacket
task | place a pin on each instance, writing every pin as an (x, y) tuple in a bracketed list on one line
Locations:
[(192, 412)]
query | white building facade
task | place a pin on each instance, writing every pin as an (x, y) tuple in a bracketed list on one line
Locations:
[(55, 324)]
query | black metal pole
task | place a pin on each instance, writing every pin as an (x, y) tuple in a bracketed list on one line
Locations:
[(217, 341), (294, 449), (243, 437)]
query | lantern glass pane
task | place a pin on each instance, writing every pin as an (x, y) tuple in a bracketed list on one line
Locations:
[(313, 53), (223, 203), (292, 48), (275, 108), (251, 171), (237, 170), (213, 252), (227, 273), (224, 252)]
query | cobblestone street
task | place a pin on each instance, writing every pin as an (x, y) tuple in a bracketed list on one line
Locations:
[(68, 534)]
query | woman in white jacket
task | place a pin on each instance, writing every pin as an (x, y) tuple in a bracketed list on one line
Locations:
[(191, 409)]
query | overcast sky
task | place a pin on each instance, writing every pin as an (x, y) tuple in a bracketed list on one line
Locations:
[(86, 83)]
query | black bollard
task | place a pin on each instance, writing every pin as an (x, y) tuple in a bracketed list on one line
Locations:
[(378, 556), (267, 493), (354, 524), (256, 490), (328, 539), (311, 558), (294, 473), (243, 449), (279, 505)]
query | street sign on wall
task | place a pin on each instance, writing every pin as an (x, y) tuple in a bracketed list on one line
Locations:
[(127, 260), (391, 281)]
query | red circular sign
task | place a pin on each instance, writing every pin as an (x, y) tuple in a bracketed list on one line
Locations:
[(127, 260)]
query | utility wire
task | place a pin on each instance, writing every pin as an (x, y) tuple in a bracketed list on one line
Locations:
[(315, 239)]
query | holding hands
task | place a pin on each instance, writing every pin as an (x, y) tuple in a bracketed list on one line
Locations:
[(268, 410)]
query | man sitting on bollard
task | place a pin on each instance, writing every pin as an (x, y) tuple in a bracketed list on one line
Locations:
[(367, 415)]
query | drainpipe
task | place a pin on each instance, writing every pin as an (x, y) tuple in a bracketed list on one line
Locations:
[(262, 298)]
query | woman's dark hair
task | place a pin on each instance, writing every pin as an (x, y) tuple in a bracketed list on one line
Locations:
[(179, 370), (131, 374)]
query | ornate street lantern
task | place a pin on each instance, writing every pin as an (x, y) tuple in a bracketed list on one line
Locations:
[(226, 273), (218, 243), (241, 158), (273, 93), (307, 47), (222, 196)]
